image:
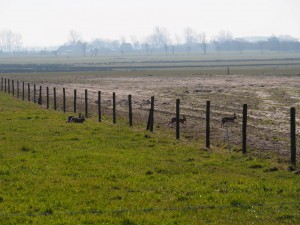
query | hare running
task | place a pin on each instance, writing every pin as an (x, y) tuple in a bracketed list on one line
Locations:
[(228, 119), (174, 120)]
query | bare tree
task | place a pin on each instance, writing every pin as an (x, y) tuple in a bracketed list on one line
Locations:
[(6, 38), (202, 42), (84, 47), (217, 46), (160, 37), (94, 52), (274, 43), (221, 40), (146, 46), (135, 42), (190, 38), (166, 49), (224, 36), (18, 42), (173, 49), (114, 44), (74, 37), (10, 41)]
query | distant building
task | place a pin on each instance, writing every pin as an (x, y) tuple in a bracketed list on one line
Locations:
[(126, 47), (73, 49)]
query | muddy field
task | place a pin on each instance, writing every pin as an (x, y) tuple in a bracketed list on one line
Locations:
[(268, 83), (269, 98)]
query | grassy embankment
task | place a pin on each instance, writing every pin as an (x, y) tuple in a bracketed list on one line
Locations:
[(57, 173)]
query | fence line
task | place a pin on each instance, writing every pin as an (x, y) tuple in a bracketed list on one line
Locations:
[(5, 86)]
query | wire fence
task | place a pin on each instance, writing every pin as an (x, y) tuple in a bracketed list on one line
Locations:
[(256, 134)]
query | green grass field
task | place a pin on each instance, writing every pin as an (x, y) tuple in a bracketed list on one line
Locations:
[(52, 172)]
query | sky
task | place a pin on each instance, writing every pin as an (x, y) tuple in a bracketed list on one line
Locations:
[(49, 22)]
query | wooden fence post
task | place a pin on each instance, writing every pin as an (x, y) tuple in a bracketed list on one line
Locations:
[(177, 118), (64, 99), (13, 87), (207, 124), (8, 85), (228, 71), (293, 136), (23, 90), (99, 107), (86, 103), (130, 110), (47, 97), (54, 96), (40, 100), (114, 108), (75, 99), (1, 83), (152, 114), (34, 93), (5, 85), (28, 95), (18, 89), (244, 129)]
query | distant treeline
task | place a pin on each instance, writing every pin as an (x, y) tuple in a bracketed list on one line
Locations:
[(157, 43), (105, 46)]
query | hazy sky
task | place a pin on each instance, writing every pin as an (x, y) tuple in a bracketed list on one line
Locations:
[(48, 22)]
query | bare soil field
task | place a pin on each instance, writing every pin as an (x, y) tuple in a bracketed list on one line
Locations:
[(268, 83), (269, 98)]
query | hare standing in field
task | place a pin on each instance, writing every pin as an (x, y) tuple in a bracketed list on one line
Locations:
[(228, 119), (174, 120)]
